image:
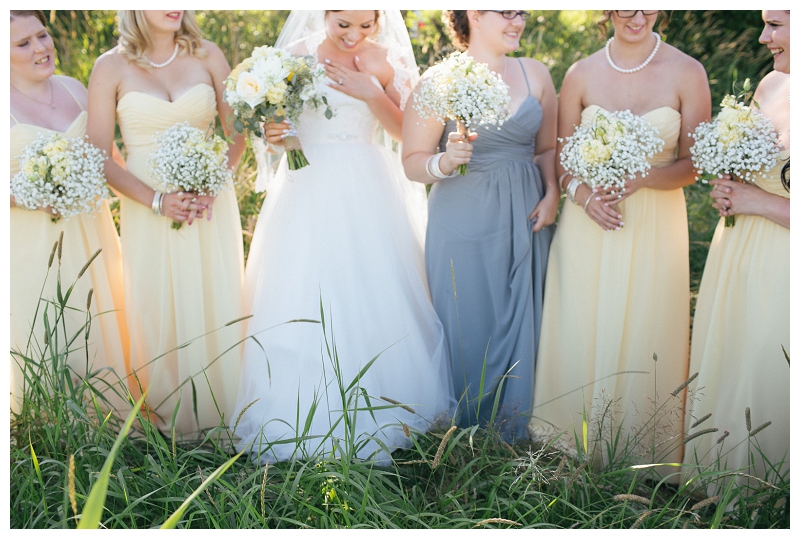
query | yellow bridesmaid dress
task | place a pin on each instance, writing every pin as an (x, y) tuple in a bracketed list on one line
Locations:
[(183, 286), (740, 324), (612, 300), (32, 235)]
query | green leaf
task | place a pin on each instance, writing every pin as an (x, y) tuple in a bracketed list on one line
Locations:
[(238, 125), (93, 508), (176, 516)]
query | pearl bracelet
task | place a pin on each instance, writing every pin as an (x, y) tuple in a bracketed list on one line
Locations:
[(156, 205), (433, 169)]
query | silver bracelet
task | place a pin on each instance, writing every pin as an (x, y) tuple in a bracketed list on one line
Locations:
[(156, 205), (433, 168), (572, 187), (586, 204)]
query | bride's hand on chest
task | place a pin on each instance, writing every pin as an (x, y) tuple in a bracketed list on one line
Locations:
[(358, 83)]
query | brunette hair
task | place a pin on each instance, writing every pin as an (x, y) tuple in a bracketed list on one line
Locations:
[(602, 24), (377, 28), (785, 176), (38, 13), (135, 41), (457, 25)]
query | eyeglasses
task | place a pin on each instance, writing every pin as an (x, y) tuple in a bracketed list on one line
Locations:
[(510, 14), (630, 13)]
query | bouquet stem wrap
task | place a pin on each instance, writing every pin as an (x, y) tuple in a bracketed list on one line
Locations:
[(294, 153), (463, 169)]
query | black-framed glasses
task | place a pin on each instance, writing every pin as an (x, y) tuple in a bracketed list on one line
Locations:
[(630, 13), (510, 14)]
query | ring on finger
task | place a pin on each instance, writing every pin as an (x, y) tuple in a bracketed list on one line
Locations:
[(341, 81)]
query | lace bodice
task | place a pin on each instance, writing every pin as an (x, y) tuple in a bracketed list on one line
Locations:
[(352, 121)]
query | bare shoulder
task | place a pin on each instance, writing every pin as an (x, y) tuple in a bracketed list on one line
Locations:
[(683, 64), (583, 69), (536, 68), (375, 53), (212, 49), (110, 66), (74, 85), (773, 81)]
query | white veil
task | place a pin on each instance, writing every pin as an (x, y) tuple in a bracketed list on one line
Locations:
[(304, 31)]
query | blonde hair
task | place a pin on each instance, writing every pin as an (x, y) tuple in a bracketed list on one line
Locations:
[(135, 41)]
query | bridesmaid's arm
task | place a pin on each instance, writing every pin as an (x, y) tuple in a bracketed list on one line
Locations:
[(219, 69), (103, 87), (736, 198), (422, 142), (547, 208)]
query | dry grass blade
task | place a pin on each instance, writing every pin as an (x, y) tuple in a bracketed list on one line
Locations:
[(88, 262), (438, 458), (236, 424), (699, 433), (264, 489), (704, 503), (759, 428), (701, 420), (71, 485), (631, 498), (683, 385), (511, 449), (641, 519), (496, 521), (400, 404)]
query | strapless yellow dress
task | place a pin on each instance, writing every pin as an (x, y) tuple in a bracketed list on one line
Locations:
[(740, 324), (183, 285), (612, 300), (31, 241)]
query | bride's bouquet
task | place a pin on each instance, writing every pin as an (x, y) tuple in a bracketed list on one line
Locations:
[(273, 83), (611, 149), (65, 174), (189, 159), (460, 89), (740, 141)]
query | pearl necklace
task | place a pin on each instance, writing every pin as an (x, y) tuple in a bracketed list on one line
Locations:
[(174, 54), (637, 68)]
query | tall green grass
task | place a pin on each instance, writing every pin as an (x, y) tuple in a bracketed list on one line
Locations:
[(67, 446)]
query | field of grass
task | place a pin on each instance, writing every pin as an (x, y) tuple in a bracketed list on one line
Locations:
[(72, 463)]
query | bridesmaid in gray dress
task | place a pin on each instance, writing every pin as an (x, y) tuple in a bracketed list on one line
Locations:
[(488, 232)]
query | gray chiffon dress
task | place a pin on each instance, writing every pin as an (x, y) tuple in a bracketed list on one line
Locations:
[(486, 271)]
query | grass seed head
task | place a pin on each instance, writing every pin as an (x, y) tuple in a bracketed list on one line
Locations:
[(725, 435), (747, 418), (438, 458), (704, 503), (699, 433), (52, 254), (701, 420), (760, 428), (71, 485), (60, 245), (631, 498), (683, 385)]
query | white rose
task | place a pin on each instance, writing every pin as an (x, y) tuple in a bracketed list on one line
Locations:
[(251, 89)]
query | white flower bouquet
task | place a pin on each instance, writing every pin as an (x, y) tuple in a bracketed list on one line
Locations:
[(740, 141), (273, 83), (610, 149), (65, 174), (189, 159), (460, 89)]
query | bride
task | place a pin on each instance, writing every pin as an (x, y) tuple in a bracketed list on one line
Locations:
[(335, 276)]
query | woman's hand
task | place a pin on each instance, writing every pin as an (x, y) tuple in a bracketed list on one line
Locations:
[(207, 203), (737, 198), (458, 151), (612, 197), (545, 211), (356, 83), (607, 216), (276, 132), (180, 206)]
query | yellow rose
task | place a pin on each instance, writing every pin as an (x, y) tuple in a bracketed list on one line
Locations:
[(244, 66)]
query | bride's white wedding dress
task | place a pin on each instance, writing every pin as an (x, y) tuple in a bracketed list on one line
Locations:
[(344, 234)]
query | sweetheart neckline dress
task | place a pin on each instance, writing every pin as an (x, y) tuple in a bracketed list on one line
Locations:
[(31, 238), (612, 301), (182, 286)]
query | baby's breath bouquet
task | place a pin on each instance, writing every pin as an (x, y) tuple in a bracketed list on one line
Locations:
[(610, 149), (740, 141), (460, 89), (189, 159), (65, 174), (273, 83)]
